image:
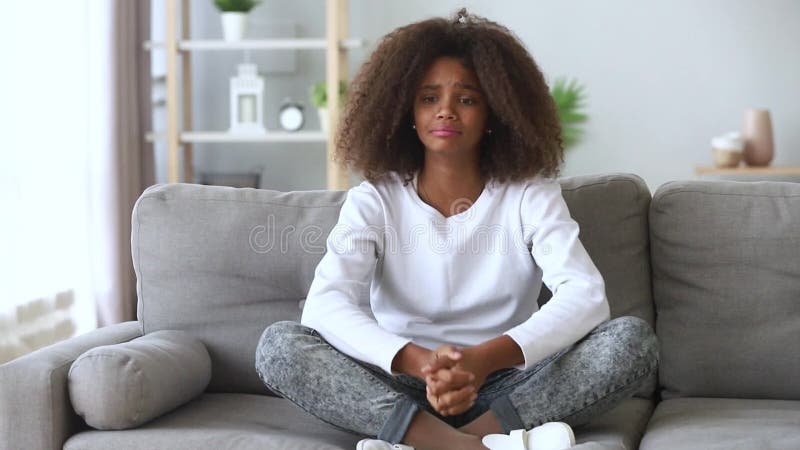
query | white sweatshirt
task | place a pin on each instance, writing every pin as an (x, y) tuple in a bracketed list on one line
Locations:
[(397, 271)]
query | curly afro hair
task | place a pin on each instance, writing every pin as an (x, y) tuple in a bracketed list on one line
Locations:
[(375, 135)]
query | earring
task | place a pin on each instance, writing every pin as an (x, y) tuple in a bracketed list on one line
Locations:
[(489, 131), (413, 126)]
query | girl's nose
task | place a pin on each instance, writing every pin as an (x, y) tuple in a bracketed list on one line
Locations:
[(446, 113)]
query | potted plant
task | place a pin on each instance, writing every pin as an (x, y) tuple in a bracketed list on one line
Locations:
[(319, 98), (570, 98), (234, 17)]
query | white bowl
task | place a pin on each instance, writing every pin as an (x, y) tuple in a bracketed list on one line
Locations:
[(724, 157)]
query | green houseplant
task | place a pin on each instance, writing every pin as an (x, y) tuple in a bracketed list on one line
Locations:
[(236, 5), (234, 17), (570, 99), (319, 98), (319, 93)]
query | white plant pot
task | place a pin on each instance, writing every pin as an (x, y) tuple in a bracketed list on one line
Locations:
[(234, 25), (323, 119)]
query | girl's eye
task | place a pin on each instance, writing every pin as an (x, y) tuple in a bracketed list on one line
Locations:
[(464, 100)]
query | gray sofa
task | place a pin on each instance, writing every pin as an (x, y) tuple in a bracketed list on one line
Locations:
[(714, 266)]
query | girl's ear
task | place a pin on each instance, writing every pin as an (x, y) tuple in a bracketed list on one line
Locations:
[(492, 122)]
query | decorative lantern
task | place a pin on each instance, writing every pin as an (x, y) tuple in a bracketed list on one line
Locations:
[(247, 105)]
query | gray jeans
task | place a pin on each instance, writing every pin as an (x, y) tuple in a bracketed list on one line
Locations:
[(574, 385)]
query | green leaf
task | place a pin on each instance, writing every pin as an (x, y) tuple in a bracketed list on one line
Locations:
[(570, 99), (570, 118), (319, 93), (236, 5)]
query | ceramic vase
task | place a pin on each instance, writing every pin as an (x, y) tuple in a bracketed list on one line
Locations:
[(234, 25), (323, 119), (757, 133)]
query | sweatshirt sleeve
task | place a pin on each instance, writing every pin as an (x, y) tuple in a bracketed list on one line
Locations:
[(579, 301), (337, 305)]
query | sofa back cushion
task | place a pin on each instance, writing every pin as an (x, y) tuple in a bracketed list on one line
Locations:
[(612, 211), (726, 280), (223, 263)]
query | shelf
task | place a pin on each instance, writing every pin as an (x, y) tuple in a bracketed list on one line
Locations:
[(745, 170), (178, 49), (224, 136), (257, 44)]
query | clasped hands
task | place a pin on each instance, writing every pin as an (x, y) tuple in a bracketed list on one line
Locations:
[(453, 377)]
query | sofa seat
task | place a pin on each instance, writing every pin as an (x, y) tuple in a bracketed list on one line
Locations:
[(720, 423), (248, 421), (223, 421), (620, 428)]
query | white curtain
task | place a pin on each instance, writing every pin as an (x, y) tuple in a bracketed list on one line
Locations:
[(55, 108)]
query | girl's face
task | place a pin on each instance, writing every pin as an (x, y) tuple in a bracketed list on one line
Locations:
[(450, 109)]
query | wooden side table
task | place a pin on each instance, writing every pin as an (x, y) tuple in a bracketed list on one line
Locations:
[(746, 173)]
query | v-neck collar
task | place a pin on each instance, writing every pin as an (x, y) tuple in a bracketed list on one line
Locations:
[(412, 190)]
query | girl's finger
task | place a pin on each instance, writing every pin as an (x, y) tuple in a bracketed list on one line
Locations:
[(455, 398), (445, 357), (450, 379), (463, 407)]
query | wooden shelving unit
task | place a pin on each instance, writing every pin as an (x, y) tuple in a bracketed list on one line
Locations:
[(257, 44), (222, 136), (178, 48)]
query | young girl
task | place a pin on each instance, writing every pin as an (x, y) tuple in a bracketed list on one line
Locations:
[(421, 325)]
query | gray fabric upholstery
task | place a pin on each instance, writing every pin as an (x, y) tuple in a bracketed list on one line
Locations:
[(218, 421), (36, 411), (246, 421), (248, 257), (622, 427), (612, 213), (223, 263), (598, 446), (726, 281), (124, 385), (724, 424)]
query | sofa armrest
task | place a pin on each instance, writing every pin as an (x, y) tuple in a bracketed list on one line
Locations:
[(34, 397)]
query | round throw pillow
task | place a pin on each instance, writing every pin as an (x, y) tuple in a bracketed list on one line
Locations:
[(121, 386)]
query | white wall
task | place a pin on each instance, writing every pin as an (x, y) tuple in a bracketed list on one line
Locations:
[(663, 77)]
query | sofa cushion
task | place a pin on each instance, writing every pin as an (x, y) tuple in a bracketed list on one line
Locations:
[(724, 424), (125, 385), (621, 427), (223, 263), (246, 421), (216, 421), (726, 281), (612, 212)]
